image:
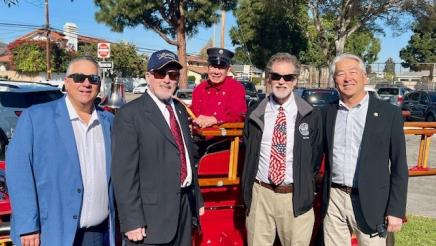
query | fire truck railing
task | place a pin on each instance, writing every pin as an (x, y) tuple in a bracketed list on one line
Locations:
[(426, 130), (234, 132)]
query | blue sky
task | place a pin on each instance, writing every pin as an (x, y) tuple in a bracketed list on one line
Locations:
[(82, 12)]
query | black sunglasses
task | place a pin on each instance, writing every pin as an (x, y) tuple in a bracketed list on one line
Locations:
[(286, 77), (80, 78), (160, 74)]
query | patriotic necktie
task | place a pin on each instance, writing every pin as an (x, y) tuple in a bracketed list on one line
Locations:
[(277, 165), (177, 134)]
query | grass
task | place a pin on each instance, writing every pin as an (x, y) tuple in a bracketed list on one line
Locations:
[(419, 231)]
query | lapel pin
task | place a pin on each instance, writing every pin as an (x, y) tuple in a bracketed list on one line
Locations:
[(376, 114)]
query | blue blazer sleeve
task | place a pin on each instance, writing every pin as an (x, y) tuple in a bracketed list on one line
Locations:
[(19, 177)]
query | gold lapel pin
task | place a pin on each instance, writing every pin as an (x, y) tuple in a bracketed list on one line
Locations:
[(375, 114)]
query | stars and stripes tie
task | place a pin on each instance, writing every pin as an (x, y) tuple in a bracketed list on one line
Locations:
[(177, 134), (277, 164)]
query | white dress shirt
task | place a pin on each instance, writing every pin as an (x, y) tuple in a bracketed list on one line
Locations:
[(92, 156), (162, 107), (271, 112), (350, 123)]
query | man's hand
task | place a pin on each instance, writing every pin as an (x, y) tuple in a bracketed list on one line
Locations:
[(30, 239), (201, 211), (394, 223), (205, 121), (136, 235)]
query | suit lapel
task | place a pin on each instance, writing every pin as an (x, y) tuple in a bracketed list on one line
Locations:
[(65, 129), (107, 141), (155, 116), (370, 124), (330, 126)]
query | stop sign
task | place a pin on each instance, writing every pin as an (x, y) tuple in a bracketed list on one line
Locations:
[(103, 50)]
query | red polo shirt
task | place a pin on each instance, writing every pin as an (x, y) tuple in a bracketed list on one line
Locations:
[(225, 101)]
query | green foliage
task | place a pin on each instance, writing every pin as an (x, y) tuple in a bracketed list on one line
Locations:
[(191, 79), (389, 66), (265, 28), (30, 57), (160, 16), (417, 231), (127, 62), (421, 47), (256, 80), (363, 44)]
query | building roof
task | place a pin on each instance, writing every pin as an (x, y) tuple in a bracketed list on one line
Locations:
[(5, 58), (55, 36), (199, 70)]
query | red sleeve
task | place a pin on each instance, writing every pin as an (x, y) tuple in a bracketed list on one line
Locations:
[(237, 107), (195, 106)]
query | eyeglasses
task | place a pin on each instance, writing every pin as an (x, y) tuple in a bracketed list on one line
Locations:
[(80, 78), (160, 74), (286, 77)]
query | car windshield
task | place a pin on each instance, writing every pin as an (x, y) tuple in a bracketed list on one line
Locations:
[(432, 96), (320, 96), (27, 99), (249, 87), (388, 91), (184, 94)]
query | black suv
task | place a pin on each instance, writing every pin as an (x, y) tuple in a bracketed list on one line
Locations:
[(421, 104), (319, 97), (250, 92)]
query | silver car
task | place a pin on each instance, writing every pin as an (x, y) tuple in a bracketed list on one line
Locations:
[(15, 96)]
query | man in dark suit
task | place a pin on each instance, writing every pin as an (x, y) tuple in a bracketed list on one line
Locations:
[(155, 182), (366, 173)]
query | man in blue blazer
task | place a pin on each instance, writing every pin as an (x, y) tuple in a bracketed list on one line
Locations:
[(58, 167)]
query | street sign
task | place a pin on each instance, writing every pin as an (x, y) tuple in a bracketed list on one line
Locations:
[(103, 50), (106, 64)]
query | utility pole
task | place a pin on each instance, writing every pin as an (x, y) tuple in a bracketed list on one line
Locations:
[(47, 42), (223, 26)]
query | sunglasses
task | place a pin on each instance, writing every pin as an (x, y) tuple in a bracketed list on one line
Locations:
[(286, 77), (80, 78), (160, 74)]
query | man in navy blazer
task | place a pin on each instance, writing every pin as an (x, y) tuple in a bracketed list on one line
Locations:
[(366, 176), (155, 182), (58, 167)]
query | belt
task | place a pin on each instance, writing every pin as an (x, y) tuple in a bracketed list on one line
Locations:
[(344, 188), (276, 188)]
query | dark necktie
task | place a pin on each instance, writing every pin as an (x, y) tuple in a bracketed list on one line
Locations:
[(177, 134), (277, 163)]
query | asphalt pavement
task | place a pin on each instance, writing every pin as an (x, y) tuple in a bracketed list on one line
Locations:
[(421, 197)]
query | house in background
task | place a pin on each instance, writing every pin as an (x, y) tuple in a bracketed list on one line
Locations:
[(69, 38)]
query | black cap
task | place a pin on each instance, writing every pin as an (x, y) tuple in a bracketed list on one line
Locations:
[(161, 58), (219, 56)]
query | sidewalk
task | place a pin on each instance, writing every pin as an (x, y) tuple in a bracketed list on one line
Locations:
[(421, 197)]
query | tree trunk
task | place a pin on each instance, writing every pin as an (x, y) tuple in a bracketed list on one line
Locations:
[(340, 44), (181, 49)]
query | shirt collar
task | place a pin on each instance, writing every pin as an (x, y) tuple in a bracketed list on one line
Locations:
[(216, 86), (73, 114), (362, 103), (159, 103), (286, 106)]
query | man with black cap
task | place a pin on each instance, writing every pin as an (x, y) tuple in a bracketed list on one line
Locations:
[(155, 182), (220, 98)]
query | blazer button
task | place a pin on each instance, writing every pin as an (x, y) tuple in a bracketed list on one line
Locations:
[(75, 217), (79, 190)]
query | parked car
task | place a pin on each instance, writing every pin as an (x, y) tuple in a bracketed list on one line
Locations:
[(250, 92), (372, 92), (392, 94), (421, 105), (185, 95), (320, 97), (140, 89), (15, 96)]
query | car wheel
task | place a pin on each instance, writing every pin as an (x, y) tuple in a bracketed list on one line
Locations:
[(430, 118)]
